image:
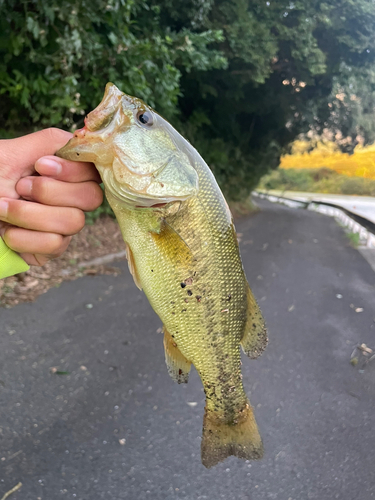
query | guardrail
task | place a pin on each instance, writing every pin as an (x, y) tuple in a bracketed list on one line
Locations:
[(354, 222)]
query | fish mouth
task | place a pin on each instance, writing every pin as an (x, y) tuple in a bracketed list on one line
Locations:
[(131, 171)]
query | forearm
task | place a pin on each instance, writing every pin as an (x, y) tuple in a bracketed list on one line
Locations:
[(10, 262)]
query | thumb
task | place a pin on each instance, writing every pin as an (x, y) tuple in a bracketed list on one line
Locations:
[(18, 156), (23, 152)]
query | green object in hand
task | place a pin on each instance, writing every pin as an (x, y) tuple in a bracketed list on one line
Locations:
[(10, 262)]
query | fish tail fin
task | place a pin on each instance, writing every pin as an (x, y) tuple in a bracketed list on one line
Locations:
[(221, 440)]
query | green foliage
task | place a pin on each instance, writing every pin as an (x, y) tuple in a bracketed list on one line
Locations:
[(354, 239), (352, 105), (56, 58), (241, 79), (322, 180), (284, 60), (357, 185), (288, 180)]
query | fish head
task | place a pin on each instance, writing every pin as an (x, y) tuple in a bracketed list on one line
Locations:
[(143, 161)]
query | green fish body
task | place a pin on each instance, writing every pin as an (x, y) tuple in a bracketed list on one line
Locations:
[(183, 253)]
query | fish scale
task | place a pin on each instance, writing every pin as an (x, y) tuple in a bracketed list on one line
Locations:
[(183, 252)]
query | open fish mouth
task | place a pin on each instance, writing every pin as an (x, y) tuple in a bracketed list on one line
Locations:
[(140, 166)]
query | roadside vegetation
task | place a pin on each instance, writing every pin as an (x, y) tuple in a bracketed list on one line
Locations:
[(319, 166), (317, 180), (326, 154)]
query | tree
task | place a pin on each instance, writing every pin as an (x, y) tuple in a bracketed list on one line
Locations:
[(285, 62), (352, 108), (56, 57), (240, 78)]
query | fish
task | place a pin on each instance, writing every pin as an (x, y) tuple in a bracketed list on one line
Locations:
[(183, 252)]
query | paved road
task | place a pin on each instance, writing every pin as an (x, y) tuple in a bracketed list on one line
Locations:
[(59, 434), (361, 205)]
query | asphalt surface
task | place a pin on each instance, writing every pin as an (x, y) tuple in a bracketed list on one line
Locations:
[(117, 427)]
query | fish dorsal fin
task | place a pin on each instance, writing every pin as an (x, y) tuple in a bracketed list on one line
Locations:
[(254, 340), (132, 266)]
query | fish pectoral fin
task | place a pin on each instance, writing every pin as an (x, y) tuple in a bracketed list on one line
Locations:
[(171, 244), (178, 366), (221, 439), (255, 338), (132, 266), (187, 249)]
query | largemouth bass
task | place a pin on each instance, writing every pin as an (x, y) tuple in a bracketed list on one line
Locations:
[(182, 251)]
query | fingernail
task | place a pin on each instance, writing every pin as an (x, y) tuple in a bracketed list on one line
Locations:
[(3, 209), (46, 166), (24, 187)]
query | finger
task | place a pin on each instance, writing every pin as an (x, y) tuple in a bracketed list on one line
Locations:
[(65, 170), (35, 259), (50, 245), (83, 195), (24, 151), (39, 259), (29, 215)]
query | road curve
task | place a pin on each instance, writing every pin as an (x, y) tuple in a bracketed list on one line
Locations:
[(116, 426), (360, 205)]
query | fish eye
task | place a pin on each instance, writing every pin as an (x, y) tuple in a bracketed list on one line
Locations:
[(145, 118)]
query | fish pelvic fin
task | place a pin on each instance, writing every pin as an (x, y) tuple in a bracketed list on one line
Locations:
[(178, 366), (222, 439), (254, 340), (132, 266)]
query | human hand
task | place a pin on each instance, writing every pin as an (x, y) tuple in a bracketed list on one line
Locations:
[(41, 224)]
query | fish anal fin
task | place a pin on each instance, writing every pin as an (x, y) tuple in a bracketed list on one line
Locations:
[(254, 340), (178, 366), (132, 266), (221, 439)]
